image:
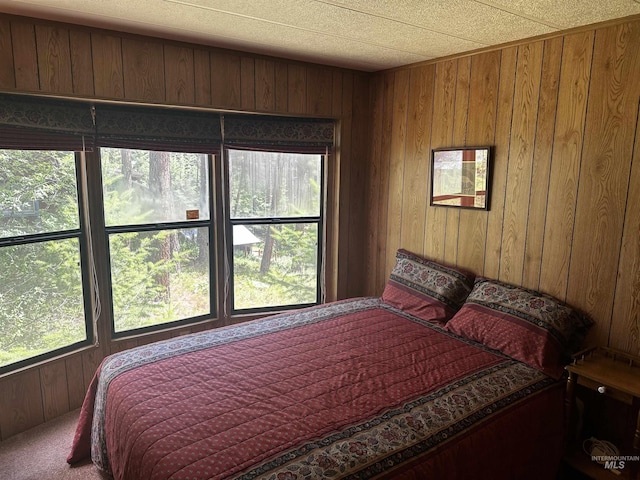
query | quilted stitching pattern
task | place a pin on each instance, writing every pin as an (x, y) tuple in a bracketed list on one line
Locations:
[(267, 394)]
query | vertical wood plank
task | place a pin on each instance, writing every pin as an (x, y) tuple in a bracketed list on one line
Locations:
[(90, 361), (319, 85), (441, 134), (336, 89), (265, 85), (459, 138), (358, 165), (282, 86), (146, 340), (332, 195), (178, 333), (344, 180), (21, 403), (565, 162), (383, 194), (81, 62), (547, 105), (625, 328), (25, 56), (161, 336), (199, 328), (247, 83), (297, 88), (523, 131), (373, 184), (54, 59), (7, 72), (461, 111), (53, 386), (143, 69), (202, 77), (417, 156), (500, 162), (75, 383), (604, 175), (179, 75), (107, 65), (225, 80), (483, 100), (396, 166), (122, 345)]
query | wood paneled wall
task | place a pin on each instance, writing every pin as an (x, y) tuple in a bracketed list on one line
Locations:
[(562, 114), (58, 59)]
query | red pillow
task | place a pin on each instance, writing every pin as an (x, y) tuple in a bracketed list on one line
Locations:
[(426, 289), (529, 326)]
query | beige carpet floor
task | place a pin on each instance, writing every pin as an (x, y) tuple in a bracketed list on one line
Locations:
[(41, 453)]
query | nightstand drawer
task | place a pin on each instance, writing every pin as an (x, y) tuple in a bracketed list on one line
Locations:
[(611, 392)]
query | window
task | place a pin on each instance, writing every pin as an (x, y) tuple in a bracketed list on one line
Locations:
[(138, 218), (275, 219), (156, 208), (43, 281)]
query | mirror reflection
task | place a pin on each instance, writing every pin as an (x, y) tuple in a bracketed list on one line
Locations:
[(459, 177)]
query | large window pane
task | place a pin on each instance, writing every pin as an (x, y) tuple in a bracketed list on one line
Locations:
[(41, 302), (159, 277), (274, 185), (275, 265), (142, 187), (38, 192)]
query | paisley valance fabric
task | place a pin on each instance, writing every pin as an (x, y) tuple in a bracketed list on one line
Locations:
[(36, 122), (39, 123), (269, 131), (151, 128)]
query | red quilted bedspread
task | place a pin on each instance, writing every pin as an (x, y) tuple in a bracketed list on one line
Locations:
[(350, 390)]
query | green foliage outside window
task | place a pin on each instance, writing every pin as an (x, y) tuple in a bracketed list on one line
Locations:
[(41, 297), (156, 276), (279, 267)]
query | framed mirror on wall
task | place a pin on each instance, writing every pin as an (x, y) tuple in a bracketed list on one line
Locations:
[(460, 177)]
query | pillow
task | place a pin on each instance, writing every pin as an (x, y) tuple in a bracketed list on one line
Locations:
[(426, 289), (529, 326)]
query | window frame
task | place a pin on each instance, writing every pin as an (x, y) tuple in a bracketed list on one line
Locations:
[(82, 126), (229, 224), (82, 234), (210, 224)]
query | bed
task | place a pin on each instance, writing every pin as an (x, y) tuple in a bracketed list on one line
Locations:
[(408, 385)]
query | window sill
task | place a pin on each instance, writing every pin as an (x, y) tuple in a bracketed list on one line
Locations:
[(48, 361)]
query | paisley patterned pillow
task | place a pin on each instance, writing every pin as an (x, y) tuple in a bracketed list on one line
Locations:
[(527, 325), (426, 289)]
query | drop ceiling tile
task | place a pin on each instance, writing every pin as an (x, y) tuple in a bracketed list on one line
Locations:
[(569, 13), (467, 19), (284, 40), (330, 20)]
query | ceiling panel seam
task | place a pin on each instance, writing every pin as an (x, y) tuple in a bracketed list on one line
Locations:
[(332, 35)]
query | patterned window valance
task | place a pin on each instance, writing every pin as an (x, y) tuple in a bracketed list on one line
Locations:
[(38, 123), (29, 122), (151, 128), (252, 131)]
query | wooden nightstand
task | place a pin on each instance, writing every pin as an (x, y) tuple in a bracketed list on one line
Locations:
[(614, 374)]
